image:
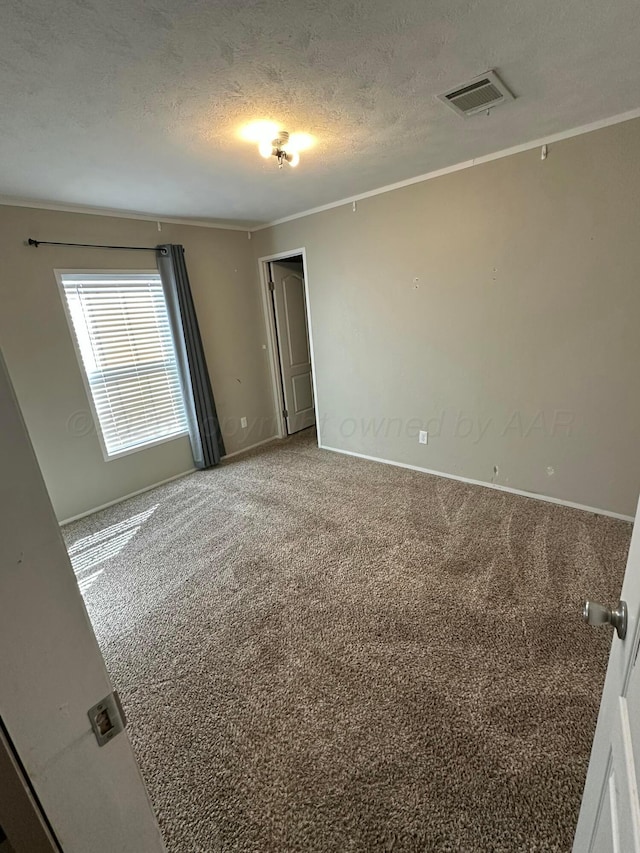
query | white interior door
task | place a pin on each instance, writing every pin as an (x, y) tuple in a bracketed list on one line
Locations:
[(21, 817), (610, 813), (293, 344), (52, 671)]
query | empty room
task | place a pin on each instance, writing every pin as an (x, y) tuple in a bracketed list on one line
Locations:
[(320, 409)]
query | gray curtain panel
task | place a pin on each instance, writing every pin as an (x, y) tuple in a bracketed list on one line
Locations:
[(204, 427)]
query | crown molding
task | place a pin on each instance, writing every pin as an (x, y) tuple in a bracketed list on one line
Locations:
[(10, 201), (466, 164), (249, 229)]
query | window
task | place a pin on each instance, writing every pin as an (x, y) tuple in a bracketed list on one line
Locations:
[(125, 346)]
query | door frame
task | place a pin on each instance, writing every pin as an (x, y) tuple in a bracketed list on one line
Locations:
[(23, 819), (272, 339)]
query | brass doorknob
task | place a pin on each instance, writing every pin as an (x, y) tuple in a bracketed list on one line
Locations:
[(598, 614)]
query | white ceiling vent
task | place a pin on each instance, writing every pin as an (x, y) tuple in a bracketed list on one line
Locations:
[(478, 95)]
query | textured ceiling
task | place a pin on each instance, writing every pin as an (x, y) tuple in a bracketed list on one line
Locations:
[(136, 105)]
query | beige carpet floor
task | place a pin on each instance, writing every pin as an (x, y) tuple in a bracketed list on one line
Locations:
[(319, 653)]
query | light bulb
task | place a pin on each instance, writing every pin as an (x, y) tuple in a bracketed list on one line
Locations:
[(256, 131), (293, 158), (300, 141), (265, 148)]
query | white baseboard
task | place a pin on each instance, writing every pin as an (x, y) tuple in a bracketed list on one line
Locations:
[(125, 497), (457, 477), (494, 486), (250, 447)]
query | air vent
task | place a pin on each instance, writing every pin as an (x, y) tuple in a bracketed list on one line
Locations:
[(479, 95)]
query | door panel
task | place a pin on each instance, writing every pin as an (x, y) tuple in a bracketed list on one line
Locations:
[(52, 671), (610, 812), (290, 315), (628, 807), (633, 701), (605, 837), (295, 316), (302, 392)]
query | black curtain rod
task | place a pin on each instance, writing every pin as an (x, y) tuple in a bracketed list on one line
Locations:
[(36, 243)]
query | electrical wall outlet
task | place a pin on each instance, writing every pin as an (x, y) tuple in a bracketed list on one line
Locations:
[(243, 423), (423, 436)]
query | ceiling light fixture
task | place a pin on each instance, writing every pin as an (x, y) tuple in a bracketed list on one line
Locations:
[(274, 142), (280, 148)]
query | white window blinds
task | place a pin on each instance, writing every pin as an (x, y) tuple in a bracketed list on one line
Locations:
[(125, 344)]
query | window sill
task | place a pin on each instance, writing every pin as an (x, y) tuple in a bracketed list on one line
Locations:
[(109, 457)]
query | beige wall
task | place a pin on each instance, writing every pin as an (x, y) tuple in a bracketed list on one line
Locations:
[(497, 306), (39, 351)]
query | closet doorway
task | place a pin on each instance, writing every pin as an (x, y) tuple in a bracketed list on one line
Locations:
[(287, 314)]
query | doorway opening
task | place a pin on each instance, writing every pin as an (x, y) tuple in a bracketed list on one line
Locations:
[(286, 306)]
